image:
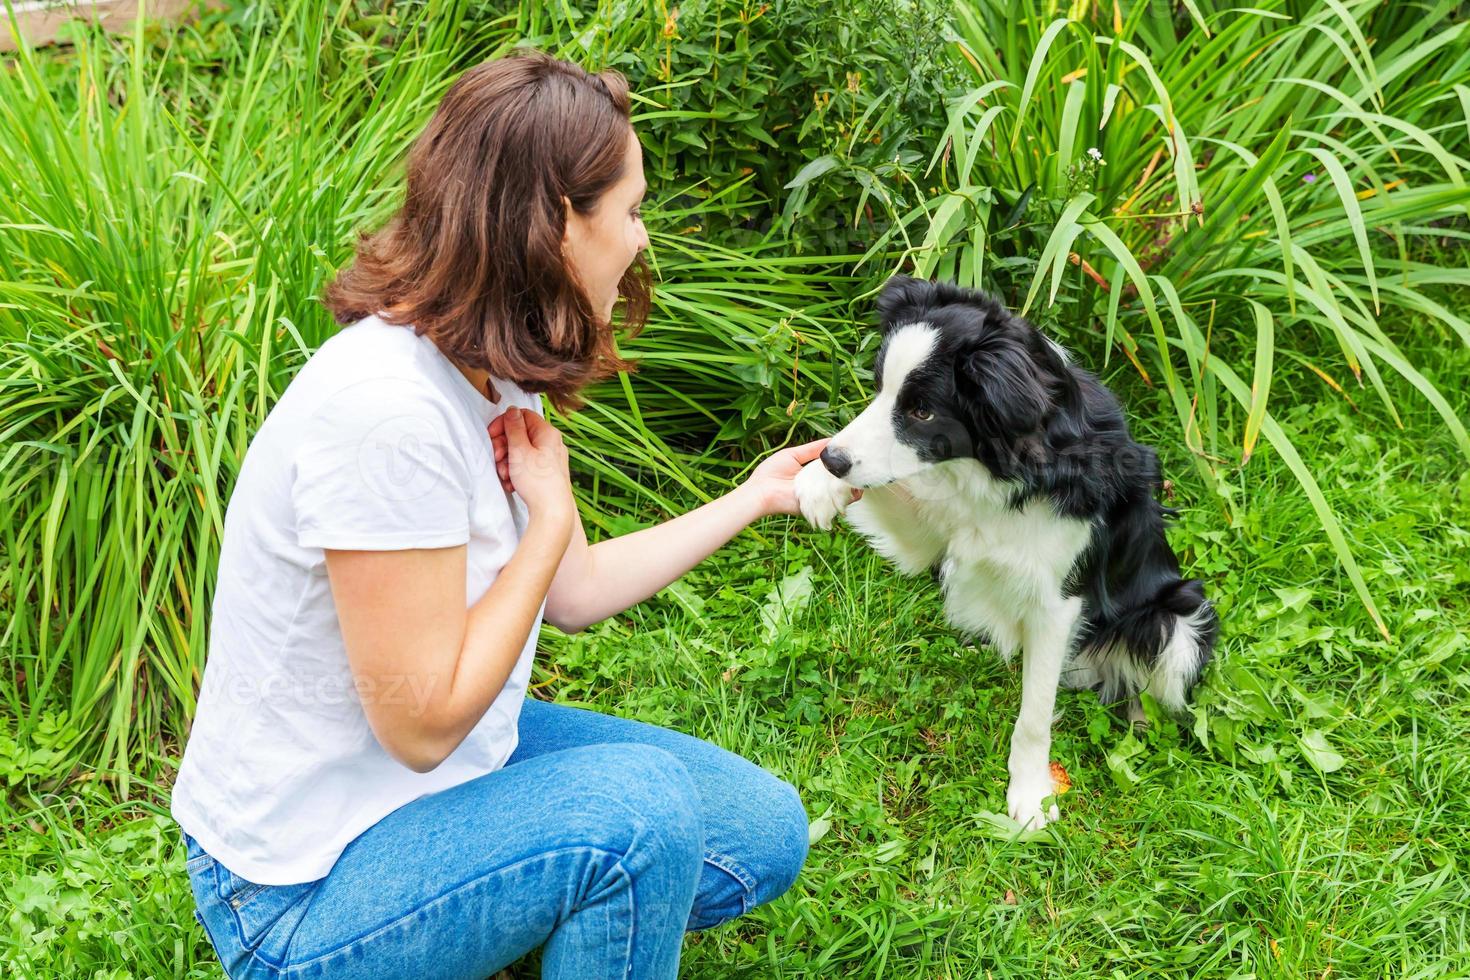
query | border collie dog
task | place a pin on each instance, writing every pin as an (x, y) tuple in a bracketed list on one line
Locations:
[(989, 460)]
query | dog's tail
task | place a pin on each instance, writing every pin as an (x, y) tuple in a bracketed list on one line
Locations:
[(1160, 645)]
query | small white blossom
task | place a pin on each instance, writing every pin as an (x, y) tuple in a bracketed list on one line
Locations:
[(1095, 153)]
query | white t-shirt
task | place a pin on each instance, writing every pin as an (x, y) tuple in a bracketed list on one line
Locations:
[(378, 443)]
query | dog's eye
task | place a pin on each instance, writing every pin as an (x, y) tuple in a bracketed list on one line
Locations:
[(922, 414)]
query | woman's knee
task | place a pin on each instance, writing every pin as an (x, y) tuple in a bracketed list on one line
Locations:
[(650, 798), (789, 842), (771, 850)]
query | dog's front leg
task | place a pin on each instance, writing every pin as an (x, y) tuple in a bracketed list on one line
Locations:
[(1046, 637), (889, 518)]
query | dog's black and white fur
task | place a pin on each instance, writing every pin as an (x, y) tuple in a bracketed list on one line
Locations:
[(990, 460)]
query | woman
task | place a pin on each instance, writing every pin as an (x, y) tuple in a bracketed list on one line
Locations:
[(367, 791)]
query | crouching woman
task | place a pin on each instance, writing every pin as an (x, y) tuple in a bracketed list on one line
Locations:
[(367, 790)]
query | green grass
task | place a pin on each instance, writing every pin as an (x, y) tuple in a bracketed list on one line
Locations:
[(1309, 819), (167, 222)]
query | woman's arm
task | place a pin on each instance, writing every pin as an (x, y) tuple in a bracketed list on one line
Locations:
[(594, 582), (601, 580), (405, 625), (425, 668)]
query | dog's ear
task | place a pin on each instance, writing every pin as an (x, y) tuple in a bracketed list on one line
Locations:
[(1001, 382), (904, 299)]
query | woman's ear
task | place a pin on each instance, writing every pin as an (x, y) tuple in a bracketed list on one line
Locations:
[(566, 235)]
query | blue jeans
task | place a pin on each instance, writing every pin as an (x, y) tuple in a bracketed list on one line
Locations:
[(601, 839)]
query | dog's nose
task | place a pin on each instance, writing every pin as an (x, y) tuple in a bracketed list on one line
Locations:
[(836, 461)]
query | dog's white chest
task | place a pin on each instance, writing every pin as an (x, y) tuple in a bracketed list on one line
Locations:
[(999, 565)]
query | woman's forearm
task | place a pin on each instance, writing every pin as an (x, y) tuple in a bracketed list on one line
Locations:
[(621, 572), (496, 628)]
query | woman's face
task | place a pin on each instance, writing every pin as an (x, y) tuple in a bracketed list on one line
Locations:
[(603, 244)]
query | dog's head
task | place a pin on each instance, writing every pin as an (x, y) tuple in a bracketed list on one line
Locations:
[(958, 376)]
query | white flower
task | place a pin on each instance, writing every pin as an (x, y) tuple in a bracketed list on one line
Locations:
[(1095, 153)]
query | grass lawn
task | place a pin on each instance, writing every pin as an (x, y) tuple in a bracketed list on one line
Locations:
[(1308, 820), (1246, 205)]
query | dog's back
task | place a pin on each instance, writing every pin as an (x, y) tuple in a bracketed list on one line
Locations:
[(1145, 627)]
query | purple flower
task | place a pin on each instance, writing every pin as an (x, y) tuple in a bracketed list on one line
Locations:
[(1310, 178)]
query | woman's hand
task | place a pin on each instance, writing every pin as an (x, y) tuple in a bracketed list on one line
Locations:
[(771, 480), (531, 460)]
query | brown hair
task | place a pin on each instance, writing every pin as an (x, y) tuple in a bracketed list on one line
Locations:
[(474, 257)]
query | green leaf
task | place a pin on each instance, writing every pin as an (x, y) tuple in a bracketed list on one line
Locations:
[(999, 826), (1119, 757), (784, 602), (1319, 752), (1349, 198), (889, 851), (813, 170), (1033, 71), (1261, 379)]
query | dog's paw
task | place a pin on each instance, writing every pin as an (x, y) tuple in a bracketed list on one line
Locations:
[(820, 495), (1024, 801)]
